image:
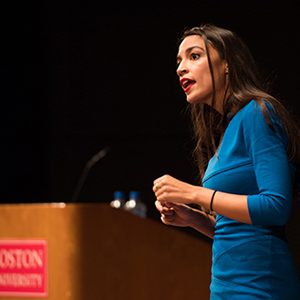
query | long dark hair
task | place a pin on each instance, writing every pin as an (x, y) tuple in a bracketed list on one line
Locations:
[(244, 84)]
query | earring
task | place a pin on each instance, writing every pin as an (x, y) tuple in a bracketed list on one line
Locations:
[(226, 70)]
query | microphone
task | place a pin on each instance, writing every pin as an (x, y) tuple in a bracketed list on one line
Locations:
[(90, 163)]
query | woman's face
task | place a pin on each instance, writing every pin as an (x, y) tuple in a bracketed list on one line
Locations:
[(194, 74)]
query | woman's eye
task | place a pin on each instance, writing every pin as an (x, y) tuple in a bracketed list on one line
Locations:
[(194, 56)]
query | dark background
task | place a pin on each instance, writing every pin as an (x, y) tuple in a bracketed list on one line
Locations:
[(80, 76)]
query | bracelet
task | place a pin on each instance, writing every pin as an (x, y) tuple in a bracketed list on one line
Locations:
[(212, 200)]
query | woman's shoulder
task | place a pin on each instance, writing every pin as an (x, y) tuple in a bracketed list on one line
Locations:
[(247, 112), (260, 111), (258, 118)]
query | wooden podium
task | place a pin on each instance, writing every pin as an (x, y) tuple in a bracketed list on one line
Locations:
[(96, 252)]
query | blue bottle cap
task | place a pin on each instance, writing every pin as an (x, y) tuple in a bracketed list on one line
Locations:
[(119, 195), (134, 195)]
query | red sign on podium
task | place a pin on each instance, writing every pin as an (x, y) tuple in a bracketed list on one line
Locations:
[(23, 268)]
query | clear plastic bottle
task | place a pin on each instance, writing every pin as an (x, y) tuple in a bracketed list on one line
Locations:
[(118, 200), (135, 204)]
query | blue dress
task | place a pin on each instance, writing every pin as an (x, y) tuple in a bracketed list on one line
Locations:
[(253, 261)]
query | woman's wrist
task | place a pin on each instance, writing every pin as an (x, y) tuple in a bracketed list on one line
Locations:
[(202, 222), (204, 197)]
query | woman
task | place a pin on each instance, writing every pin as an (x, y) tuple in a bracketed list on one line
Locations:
[(247, 147)]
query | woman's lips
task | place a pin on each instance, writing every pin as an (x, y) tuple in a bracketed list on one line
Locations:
[(186, 84)]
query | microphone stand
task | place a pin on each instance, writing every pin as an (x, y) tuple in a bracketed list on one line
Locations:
[(90, 163)]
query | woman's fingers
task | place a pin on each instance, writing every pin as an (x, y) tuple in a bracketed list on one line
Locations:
[(158, 205), (160, 182), (165, 211)]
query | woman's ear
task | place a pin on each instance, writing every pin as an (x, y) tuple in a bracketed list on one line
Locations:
[(226, 69)]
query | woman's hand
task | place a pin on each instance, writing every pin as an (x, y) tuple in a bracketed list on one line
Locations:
[(175, 214), (170, 189), (182, 215), (172, 197)]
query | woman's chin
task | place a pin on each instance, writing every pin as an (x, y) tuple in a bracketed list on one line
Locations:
[(189, 99), (192, 100)]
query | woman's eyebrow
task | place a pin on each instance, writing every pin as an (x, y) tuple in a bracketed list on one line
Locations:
[(189, 50)]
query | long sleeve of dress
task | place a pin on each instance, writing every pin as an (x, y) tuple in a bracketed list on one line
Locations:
[(267, 149)]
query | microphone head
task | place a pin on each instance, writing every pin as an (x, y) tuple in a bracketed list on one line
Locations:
[(99, 155)]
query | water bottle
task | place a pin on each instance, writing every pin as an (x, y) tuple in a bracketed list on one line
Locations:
[(135, 205), (119, 199)]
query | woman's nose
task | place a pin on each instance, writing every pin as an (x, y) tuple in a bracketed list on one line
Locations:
[(181, 70)]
